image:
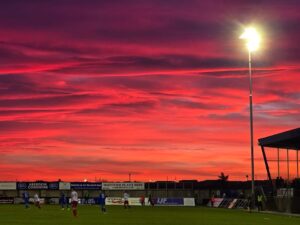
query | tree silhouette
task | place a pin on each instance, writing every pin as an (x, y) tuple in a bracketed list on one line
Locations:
[(223, 181), (223, 177)]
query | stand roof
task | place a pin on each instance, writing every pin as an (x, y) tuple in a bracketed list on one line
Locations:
[(288, 140)]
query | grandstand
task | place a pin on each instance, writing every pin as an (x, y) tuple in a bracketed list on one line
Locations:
[(284, 194)]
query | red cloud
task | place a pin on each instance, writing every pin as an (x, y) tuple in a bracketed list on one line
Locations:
[(153, 89)]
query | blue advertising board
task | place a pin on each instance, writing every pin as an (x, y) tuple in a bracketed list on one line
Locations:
[(37, 185), (86, 185), (22, 186), (168, 201), (53, 185)]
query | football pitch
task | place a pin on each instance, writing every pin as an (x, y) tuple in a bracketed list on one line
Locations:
[(91, 215)]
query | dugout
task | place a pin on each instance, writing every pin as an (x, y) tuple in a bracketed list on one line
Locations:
[(282, 151)]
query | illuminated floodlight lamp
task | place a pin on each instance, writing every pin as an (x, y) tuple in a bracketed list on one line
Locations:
[(252, 38)]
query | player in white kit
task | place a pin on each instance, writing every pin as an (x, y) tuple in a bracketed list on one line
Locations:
[(126, 200), (36, 200), (74, 202)]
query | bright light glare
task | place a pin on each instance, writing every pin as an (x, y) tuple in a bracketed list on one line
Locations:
[(252, 37)]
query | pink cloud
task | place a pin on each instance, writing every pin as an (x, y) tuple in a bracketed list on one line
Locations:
[(156, 90)]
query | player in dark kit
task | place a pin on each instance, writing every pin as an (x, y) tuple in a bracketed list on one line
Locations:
[(150, 200), (142, 200), (63, 200), (25, 196), (102, 198)]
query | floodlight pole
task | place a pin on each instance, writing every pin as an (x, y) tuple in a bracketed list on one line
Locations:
[(251, 132)]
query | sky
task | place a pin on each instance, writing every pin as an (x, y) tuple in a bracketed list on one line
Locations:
[(159, 88)]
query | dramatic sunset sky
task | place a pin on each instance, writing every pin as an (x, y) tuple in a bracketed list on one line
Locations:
[(155, 88)]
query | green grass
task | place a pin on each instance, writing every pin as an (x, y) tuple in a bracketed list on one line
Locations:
[(91, 215)]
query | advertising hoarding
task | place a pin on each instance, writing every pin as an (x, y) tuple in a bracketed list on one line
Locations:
[(123, 186), (86, 185), (37, 185), (8, 186), (64, 185)]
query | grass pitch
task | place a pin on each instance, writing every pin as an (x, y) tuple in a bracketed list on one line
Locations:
[(91, 215)]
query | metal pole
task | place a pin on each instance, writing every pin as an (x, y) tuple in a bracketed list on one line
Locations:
[(297, 164), (278, 166), (267, 165), (167, 186), (288, 164), (251, 133)]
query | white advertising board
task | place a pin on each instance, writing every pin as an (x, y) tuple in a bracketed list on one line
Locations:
[(42, 200), (189, 201), (64, 186), (120, 201), (285, 192), (8, 186), (136, 202)]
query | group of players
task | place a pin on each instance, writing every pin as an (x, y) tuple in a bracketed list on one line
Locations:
[(36, 200), (64, 201)]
